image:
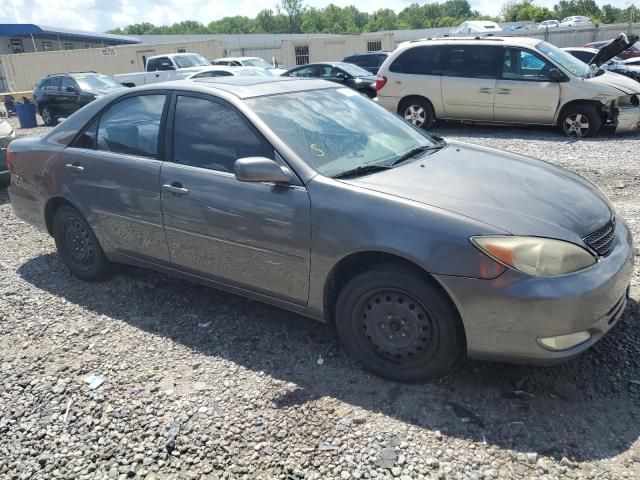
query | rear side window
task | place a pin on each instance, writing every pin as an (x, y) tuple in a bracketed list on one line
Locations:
[(419, 61), (131, 126), (473, 61), (211, 135)]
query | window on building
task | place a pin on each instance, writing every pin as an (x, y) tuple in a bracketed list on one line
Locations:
[(374, 46), (132, 125), (47, 46), (211, 135), (302, 54), (88, 45), (16, 46), (181, 50), (68, 46)]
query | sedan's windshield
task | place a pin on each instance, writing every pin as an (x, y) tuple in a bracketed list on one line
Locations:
[(96, 82), (338, 130), (256, 62), (354, 70), (564, 59), (191, 60)]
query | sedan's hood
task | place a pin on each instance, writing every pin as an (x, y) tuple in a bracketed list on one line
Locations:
[(517, 194), (626, 85), (613, 48)]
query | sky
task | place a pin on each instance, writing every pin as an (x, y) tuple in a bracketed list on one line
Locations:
[(100, 15)]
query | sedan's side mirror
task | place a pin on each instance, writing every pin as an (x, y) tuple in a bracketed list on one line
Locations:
[(260, 169), (556, 75)]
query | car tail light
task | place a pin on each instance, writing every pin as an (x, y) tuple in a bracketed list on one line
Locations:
[(381, 81), (9, 158)]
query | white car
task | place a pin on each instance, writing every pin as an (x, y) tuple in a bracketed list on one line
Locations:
[(249, 62), (224, 71), (477, 26), (575, 21), (163, 68), (548, 24)]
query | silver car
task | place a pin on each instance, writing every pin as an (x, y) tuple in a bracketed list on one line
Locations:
[(307, 195)]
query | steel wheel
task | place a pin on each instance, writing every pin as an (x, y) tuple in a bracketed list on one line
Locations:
[(416, 114), (576, 125), (397, 326), (79, 242)]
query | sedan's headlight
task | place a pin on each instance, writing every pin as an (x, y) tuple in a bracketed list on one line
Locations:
[(542, 257)]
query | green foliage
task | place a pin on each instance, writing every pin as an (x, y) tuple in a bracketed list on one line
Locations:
[(292, 16)]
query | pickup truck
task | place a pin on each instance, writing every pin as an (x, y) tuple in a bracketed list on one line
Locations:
[(162, 68)]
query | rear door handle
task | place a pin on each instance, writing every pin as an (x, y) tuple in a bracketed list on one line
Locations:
[(74, 167), (176, 188), (486, 90), (504, 91)]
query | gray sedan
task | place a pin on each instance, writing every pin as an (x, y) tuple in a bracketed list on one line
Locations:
[(309, 196)]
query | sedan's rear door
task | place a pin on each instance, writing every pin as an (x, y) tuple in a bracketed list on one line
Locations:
[(255, 236)]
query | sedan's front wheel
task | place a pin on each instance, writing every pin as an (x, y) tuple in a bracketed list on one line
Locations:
[(78, 246), (399, 325)]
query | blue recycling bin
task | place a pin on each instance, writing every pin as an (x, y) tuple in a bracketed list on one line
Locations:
[(26, 114)]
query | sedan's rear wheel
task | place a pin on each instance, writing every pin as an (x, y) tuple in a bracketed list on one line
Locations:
[(78, 246), (417, 111), (48, 117), (398, 325), (580, 121)]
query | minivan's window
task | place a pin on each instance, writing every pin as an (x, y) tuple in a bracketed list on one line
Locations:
[(522, 64), (473, 61), (564, 59), (131, 126), (419, 61), (338, 130), (211, 135)]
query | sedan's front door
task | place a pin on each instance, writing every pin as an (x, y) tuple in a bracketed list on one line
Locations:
[(468, 82), (251, 235), (112, 171), (525, 93)]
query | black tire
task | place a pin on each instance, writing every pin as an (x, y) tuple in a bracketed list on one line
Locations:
[(418, 111), (78, 246), (399, 325), (48, 116), (580, 121)]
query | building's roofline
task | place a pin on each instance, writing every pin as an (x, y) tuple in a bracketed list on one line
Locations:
[(28, 29)]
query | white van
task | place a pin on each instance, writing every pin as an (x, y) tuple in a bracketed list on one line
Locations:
[(477, 26), (507, 80)]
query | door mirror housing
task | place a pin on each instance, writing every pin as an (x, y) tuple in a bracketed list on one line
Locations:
[(261, 169), (556, 75)]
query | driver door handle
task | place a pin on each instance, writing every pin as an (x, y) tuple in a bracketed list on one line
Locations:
[(175, 188), (486, 90), (74, 167), (504, 91)]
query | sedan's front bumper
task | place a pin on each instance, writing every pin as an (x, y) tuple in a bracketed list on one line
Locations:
[(505, 318)]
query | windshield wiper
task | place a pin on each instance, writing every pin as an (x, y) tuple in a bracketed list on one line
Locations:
[(414, 152), (362, 171)]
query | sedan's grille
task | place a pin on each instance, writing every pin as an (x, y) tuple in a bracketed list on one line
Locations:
[(601, 241)]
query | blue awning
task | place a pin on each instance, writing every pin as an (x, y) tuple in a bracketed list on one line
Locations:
[(40, 31)]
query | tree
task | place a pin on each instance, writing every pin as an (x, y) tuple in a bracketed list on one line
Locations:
[(294, 10), (383, 19)]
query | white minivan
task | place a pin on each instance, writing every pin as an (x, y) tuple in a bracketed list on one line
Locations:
[(507, 80)]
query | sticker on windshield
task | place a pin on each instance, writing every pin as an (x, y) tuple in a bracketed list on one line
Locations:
[(348, 92)]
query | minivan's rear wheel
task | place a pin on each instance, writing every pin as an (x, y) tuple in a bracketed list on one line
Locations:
[(398, 325), (78, 246), (48, 117), (418, 111), (580, 121)]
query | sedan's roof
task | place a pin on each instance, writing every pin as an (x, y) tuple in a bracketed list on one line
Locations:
[(248, 87)]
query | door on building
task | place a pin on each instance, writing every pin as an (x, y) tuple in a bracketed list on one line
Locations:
[(16, 46), (142, 56)]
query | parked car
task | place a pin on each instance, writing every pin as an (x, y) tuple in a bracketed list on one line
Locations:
[(306, 195), (62, 94), (221, 71), (521, 26), (590, 57), (370, 61), (477, 26), (7, 134), (632, 52), (548, 24), (163, 68), (347, 74), (255, 62), (505, 80), (575, 21)]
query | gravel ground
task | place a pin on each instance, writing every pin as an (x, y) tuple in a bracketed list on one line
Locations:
[(202, 384)]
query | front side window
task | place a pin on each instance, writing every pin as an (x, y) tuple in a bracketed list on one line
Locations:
[(337, 130), (211, 135), (68, 85), (472, 61), (191, 60), (524, 65), (132, 126), (419, 61), (305, 72)]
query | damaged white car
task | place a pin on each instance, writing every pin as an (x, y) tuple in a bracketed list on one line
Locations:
[(508, 80)]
